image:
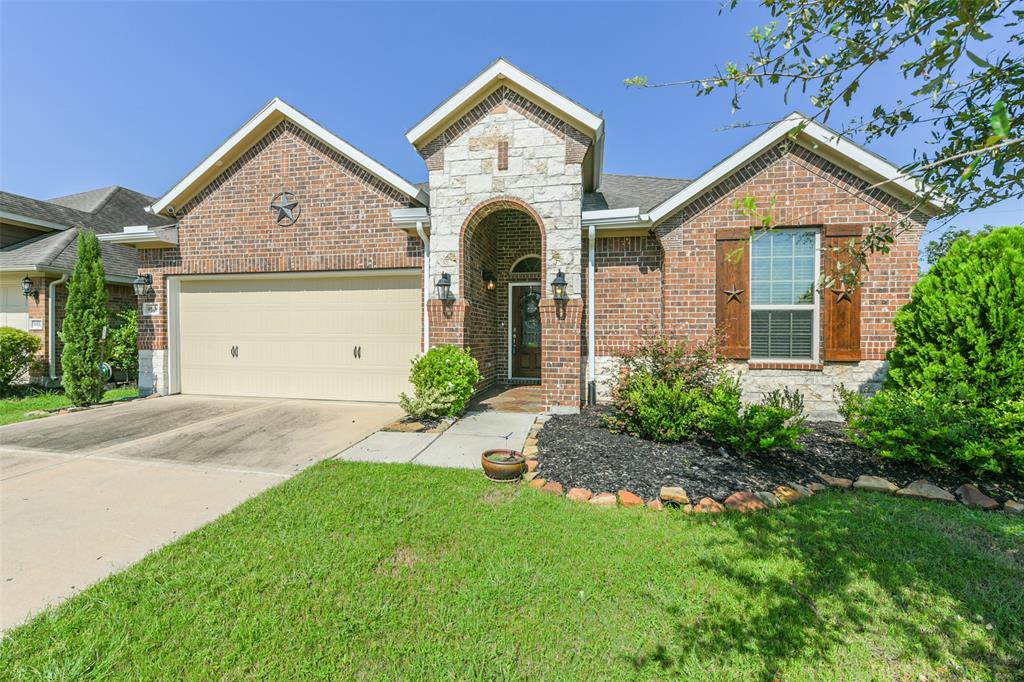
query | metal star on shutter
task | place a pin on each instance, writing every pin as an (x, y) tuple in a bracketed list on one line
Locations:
[(732, 294), (842, 293)]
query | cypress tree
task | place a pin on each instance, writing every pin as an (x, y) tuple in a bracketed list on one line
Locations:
[(85, 316), (962, 334)]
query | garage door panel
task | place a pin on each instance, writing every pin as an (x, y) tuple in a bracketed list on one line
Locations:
[(297, 338)]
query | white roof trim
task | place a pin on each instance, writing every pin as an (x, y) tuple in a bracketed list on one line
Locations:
[(141, 236), (408, 217), (813, 131), (499, 70), (28, 220), (279, 109)]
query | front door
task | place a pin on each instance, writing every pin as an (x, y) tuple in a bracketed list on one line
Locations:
[(525, 332)]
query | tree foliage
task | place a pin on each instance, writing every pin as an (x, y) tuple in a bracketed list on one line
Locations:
[(85, 316), (962, 334), (17, 350), (962, 86)]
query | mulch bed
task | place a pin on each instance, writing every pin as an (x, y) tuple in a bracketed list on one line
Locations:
[(579, 451)]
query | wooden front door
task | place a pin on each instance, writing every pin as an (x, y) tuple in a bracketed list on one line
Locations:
[(525, 332)]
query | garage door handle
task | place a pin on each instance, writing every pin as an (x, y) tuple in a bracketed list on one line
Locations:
[(357, 351), (234, 351)]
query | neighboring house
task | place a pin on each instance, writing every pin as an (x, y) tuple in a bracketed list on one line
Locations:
[(39, 246), (297, 266)]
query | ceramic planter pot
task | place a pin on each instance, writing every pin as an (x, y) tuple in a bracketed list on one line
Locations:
[(503, 465)]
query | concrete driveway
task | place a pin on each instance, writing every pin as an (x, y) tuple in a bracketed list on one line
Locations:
[(85, 494)]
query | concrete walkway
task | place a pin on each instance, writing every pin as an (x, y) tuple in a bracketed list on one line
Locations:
[(458, 447)]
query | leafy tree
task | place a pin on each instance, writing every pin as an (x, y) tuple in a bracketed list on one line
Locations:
[(123, 341), (962, 334), (935, 250), (85, 316), (962, 86)]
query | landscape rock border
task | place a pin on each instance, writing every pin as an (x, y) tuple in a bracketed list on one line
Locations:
[(747, 501)]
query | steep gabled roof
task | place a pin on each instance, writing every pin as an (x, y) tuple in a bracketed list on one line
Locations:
[(254, 130), (823, 141), (498, 73)]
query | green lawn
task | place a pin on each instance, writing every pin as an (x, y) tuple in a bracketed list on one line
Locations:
[(16, 408), (385, 571)]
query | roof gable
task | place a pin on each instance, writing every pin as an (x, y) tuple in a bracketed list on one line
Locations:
[(821, 140), (254, 130)]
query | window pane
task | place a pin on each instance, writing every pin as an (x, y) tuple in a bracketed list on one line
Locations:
[(782, 267), (781, 334)]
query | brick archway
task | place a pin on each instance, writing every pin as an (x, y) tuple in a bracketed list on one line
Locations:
[(487, 208)]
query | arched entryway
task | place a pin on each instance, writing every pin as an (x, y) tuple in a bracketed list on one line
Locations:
[(502, 282)]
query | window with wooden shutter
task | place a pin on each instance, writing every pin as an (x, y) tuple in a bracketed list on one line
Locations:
[(732, 300), (783, 294), (841, 306)]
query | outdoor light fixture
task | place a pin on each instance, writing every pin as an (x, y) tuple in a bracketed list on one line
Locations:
[(142, 284), (489, 280), (444, 287), (28, 289), (559, 287)]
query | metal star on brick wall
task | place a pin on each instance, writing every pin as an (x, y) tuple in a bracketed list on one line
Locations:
[(287, 208)]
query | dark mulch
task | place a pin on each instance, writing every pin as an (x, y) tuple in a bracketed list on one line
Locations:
[(579, 451)]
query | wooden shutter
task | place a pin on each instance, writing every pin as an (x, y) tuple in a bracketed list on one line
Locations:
[(732, 292), (840, 307)]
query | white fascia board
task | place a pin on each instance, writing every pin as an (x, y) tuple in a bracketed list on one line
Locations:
[(502, 70), (816, 132), (50, 270), (616, 219), (408, 217), (278, 108), (30, 221), (160, 237)]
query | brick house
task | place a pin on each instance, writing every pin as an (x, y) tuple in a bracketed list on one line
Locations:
[(299, 266), (38, 251)]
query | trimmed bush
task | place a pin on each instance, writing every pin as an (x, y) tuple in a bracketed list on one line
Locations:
[(123, 342), (962, 334), (670, 392), (17, 352), (444, 379), (85, 316), (931, 428)]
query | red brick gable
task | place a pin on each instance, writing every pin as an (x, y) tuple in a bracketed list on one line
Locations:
[(807, 190)]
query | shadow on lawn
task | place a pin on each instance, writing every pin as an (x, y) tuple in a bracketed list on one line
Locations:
[(856, 561)]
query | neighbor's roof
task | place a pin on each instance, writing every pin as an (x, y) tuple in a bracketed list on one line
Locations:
[(112, 208), (254, 130), (627, 191)]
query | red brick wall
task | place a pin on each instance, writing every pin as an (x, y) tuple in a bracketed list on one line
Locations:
[(561, 352), (808, 191), (345, 223), (627, 292)]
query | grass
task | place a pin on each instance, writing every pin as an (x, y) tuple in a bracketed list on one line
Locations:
[(383, 571), (15, 408)]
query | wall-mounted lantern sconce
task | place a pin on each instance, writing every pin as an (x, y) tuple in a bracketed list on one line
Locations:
[(559, 287), (142, 284), (489, 282), (444, 288), (29, 289)]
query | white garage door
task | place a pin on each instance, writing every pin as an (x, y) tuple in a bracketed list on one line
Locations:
[(13, 304), (330, 338)]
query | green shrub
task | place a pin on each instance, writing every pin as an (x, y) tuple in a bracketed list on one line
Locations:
[(430, 403), (123, 342), (17, 351), (672, 392), (938, 430), (443, 377), (962, 334), (85, 316)]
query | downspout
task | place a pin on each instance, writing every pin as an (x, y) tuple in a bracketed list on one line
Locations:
[(591, 352), (426, 285), (51, 303)]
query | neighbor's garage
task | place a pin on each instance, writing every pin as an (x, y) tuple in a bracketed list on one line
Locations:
[(347, 337)]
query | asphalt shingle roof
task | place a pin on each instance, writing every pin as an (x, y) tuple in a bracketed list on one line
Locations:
[(103, 210), (627, 191)]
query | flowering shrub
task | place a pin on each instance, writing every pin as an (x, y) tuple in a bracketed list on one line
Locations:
[(444, 378)]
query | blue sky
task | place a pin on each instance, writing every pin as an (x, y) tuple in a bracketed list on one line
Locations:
[(137, 94)]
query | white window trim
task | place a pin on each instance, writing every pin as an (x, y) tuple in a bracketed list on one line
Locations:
[(815, 358)]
